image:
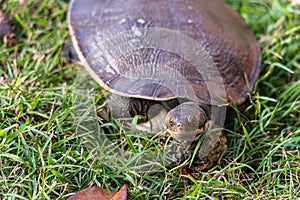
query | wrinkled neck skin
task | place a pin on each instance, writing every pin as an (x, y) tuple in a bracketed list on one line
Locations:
[(187, 121)]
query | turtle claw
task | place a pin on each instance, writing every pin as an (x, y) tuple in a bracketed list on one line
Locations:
[(212, 147)]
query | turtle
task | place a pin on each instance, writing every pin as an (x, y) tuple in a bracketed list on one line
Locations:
[(190, 58)]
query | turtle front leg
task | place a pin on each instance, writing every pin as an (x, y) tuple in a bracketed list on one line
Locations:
[(126, 107), (118, 106), (151, 113), (140, 107)]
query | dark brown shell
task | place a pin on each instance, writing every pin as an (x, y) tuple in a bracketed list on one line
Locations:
[(214, 25)]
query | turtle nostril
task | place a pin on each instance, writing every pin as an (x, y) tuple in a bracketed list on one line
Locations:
[(179, 126)]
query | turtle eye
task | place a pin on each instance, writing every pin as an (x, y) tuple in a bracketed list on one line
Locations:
[(171, 121)]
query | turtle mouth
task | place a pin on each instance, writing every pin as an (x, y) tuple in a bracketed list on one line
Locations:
[(185, 135)]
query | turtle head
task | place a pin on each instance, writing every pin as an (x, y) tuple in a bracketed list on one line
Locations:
[(186, 121)]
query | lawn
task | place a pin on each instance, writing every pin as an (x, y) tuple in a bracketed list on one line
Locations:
[(42, 156)]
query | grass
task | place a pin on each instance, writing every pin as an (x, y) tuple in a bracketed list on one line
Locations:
[(42, 156)]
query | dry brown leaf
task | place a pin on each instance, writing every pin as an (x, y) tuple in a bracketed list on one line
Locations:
[(97, 193), (121, 194)]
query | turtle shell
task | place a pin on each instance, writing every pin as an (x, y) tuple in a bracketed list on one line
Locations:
[(163, 49)]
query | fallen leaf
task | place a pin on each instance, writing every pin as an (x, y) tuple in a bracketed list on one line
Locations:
[(121, 194), (97, 193)]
